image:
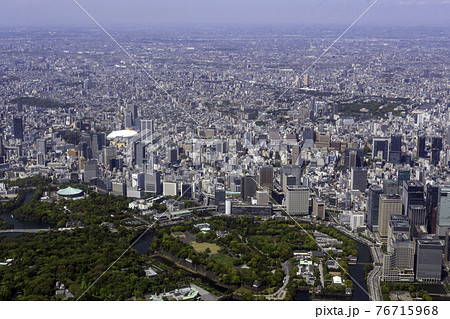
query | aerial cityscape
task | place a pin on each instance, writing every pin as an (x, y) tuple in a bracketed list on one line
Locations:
[(202, 162)]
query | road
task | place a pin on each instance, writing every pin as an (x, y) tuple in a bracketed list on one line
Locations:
[(280, 293), (374, 277)]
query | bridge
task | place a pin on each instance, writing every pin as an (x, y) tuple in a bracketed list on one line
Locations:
[(26, 231)]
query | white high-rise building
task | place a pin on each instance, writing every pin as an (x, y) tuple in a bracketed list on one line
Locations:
[(147, 131), (356, 220), (297, 200)]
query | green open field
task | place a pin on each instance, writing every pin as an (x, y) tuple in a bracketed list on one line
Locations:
[(224, 260), (201, 247)]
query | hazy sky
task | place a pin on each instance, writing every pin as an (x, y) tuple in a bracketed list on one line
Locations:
[(148, 12)]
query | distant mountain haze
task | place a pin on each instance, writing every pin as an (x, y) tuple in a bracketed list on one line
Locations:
[(259, 12)]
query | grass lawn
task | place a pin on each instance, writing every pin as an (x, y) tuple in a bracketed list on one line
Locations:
[(201, 247), (224, 260)]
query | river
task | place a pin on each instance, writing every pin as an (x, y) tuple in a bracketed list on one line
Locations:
[(19, 224), (360, 288)]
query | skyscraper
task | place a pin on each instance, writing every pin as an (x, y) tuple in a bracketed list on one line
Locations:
[(429, 259), (128, 119), (373, 201), (147, 131), (294, 170), (395, 151), (318, 208), (219, 195), (436, 148), (18, 128), (266, 177), (359, 179), (398, 263), (417, 215), (390, 204), (421, 146), (380, 148), (248, 187), (297, 200), (413, 194), (431, 204), (172, 155), (403, 175), (352, 161), (443, 211)]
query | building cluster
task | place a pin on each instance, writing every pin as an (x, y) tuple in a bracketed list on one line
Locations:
[(364, 135)]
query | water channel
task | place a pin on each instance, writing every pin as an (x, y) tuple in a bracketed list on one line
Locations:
[(360, 289), (19, 224)]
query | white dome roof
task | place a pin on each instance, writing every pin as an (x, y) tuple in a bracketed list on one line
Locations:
[(121, 134)]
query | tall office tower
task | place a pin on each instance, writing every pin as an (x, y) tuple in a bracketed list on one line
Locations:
[(172, 155), (109, 153), (153, 183), (222, 147), (429, 259), (98, 141), (421, 146), (186, 190), (448, 135), (390, 187), (262, 198), (413, 194), (308, 137), (18, 128), (219, 195), (2, 147), (390, 204), (352, 155), (403, 176), (373, 205), (289, 180), (431, 204), (356, 220), (395, 151), (248, 187), (380, 148), (266, 177), (447, 247), (152, 160), (358, 179), (41, 159), (443, 211), (87, 84), (417, 215), (436, 148), (306, 80), (135, 115), (41, 146), (318, 208), (353, 162), (398, 263), (128, 119), (90, 170), (295, 154), (139, 154), (147, 131), (94, 145), (294, 170), (297, 200)]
